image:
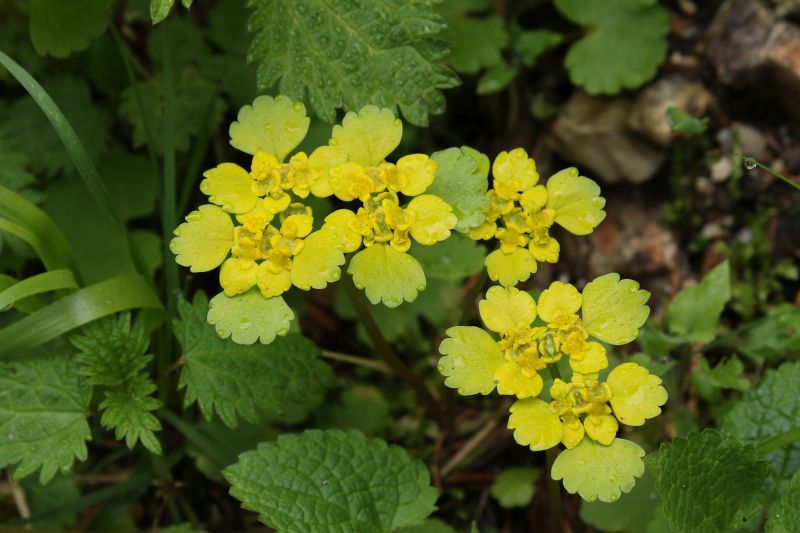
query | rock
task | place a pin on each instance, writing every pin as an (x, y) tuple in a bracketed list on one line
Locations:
[(749, 46), (592, 133), (649, 114)]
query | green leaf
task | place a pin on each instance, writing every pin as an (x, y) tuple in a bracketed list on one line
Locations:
[(59, 28), (45, 282), (332, 481), (43, 403), (514, 487), (236, 380), (249, 317), (496, 78), (683, 122), (632, 512), (452, 259), (695, 311), (430, 525), (159, 9), (625, 44), (475, 41), (362, 407), (728, 374), (773, 336), (784, 515), (195, 93), (127, 410), (705, 480), (599, 472), (531, 44), (770, 408), (352, 53), (79, 308), (43, 498), (462, 181)]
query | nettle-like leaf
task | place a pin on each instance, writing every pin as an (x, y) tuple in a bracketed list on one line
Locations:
[(112, 355), (332, 481), (476, 42), (350, 53), (159, 9), (625, 43), (707, 481), (237, 380), (784, 515), (695, 311), (59, 28), (43, 403), (462, 181), (767, 410), (452, 259)]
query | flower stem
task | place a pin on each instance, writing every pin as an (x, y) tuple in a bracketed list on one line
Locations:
[(387, 353), (378, 366), (553, 486), (751, 163), (779, 441), (471, 299)]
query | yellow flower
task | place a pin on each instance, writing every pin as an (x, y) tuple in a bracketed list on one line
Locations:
[(385, 223), (520, 215), (272, 247)]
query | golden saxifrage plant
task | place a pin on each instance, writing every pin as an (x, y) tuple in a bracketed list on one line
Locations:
[(261, 232)]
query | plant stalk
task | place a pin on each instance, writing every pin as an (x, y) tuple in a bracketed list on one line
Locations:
[(553, 486), (779, 441), (750, 163)]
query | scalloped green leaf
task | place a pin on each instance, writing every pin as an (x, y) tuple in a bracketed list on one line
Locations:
[(599, 472), (632, 512), (694, 312), (625, 43), (43, 404), (769, 409), (249, 317), (59, 28), (235, 380), (706, 479), (614, 309), (455, 258), (514, 487), (476, 42), (386, 275), (273, 125), (462, 181), (332, 481), (350, 53)]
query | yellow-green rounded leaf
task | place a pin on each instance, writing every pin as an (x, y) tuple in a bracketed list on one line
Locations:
[(558, 298), (534, 424), (576, 201), (387, 275), (510, 269), (507, 308), (368, 136), (319, 262), (636, 394), (433, 219), (229, 186), (249, 317), (470, 359), (614, 309), (273, 125), (599, 472), (202, 242)]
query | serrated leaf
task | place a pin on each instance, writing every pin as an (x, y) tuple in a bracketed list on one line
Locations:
[(452, 259), (235, 380), (59, 28), (352, 53), (625, 44), (127, 411), (430, 525), (332, 481), (694, 312), (514, 487), (727, 374), (462, 181), (705, 479), (632, 512), (532, 43), (476, 41), (784, 515), (768, 409), (43, 403)]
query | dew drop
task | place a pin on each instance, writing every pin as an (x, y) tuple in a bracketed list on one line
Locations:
[(298, 107), (220, 332), (749, 163), (10, 436)]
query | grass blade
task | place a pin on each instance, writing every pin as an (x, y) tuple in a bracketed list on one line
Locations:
[(81, 307), (46, 282)]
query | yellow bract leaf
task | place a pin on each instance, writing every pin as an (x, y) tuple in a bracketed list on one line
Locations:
[(614, 309), (229, 185), (636, 394), (433, 219), (576, 201), (593, 360), (271, 284), (273, 125), (534, 424), (368, 136), (237, 276), (322, 160), (318, 262), (204, 240), (340, 223), (510, 269), (515, 166), (558, 298), (505, 309), (387, 275), (471, 358), (249, 317), (511, 381), (420, 170), (602, 428)]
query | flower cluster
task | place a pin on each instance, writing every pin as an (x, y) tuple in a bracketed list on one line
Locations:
[(521, 213)]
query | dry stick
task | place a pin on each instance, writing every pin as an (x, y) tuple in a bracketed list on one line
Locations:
[(359, 361), (387, 353), (553, 486), (470, 446), (19, 498)]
